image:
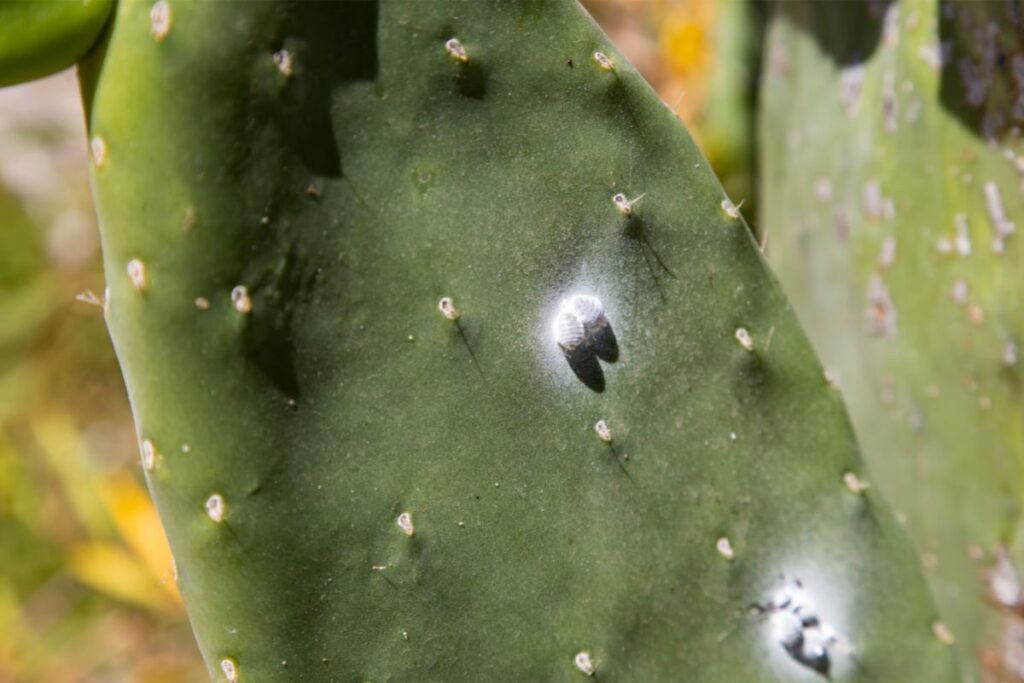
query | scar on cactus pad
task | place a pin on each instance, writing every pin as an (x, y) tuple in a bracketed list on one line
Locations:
[(484, 172)]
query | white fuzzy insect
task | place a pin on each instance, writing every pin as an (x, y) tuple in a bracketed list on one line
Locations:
[(569, 332), (578, 317), (588, 309)]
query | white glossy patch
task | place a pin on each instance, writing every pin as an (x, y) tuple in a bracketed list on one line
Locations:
[(603, 432), (160, 20), (240, 299), (137, 274), (724, 547), (215, 507), (456, 50)]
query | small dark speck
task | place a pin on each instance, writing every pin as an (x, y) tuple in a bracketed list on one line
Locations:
[(569, 63)]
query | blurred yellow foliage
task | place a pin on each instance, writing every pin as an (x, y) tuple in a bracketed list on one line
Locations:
[(686, 40), (109, 568), (139, 526)]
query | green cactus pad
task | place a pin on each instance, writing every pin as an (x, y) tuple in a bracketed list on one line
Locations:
[(360, 484), (41, 37), (893, 171)]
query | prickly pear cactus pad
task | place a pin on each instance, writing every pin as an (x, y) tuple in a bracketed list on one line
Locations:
[(450, 361), (40, 37), (892, 194)]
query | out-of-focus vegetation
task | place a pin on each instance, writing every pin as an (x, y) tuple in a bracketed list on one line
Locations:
[(86, 579), (87, 591)]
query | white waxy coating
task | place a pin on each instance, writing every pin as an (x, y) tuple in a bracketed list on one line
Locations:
[(569, 332), (724, 547), (588, 309), (584, 663), (603, 432), (788, 629)]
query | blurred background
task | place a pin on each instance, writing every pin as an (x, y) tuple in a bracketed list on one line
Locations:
[(87, 591)]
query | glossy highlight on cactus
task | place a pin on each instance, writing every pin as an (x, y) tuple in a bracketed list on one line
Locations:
[(364, 500)]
